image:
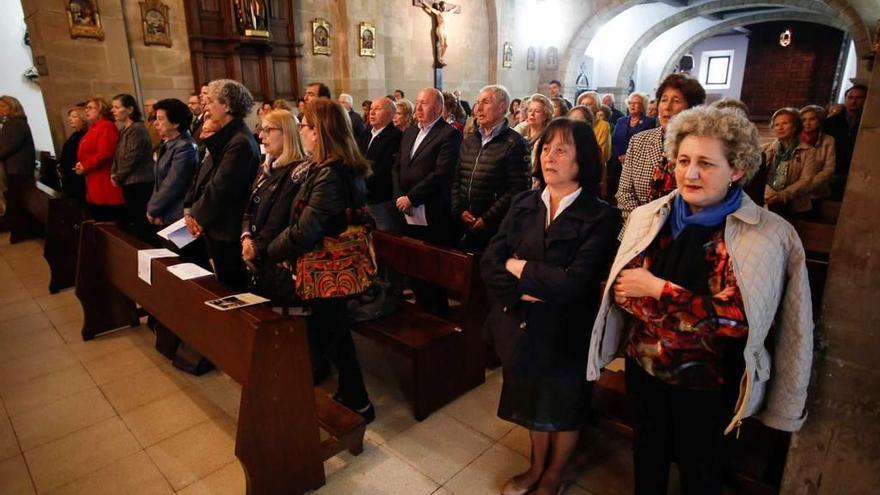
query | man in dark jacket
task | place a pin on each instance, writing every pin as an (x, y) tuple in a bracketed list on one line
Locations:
[(215, 204), (844, 127), (380, 145), (421, 177), (358, 127), (493, 167)]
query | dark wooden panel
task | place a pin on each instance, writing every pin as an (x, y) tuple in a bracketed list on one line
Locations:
[(251, 76), (209, 5), (215, 67), (283, 82)]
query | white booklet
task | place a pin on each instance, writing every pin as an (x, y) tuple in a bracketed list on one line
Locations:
[(417, 216), (186, 271), (236, 301), (145, 256), (177, 233)]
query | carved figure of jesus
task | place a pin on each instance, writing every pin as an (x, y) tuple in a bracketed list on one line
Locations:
[(437, 12)]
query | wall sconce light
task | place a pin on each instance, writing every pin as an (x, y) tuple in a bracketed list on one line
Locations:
[(785, 38)]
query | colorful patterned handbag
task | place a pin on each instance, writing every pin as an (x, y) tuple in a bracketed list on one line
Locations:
[(339, 266)]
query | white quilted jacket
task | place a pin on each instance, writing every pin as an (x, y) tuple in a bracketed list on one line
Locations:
[(769, 263)]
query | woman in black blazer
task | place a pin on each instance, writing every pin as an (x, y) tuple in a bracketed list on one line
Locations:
[(267, 212), (19, 157), (543, 270)]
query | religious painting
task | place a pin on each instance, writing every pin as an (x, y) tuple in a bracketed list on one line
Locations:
[(154, 19), (507, 59), (551, 58), (252, 18), (321, 37), (367, 40), (530, 58), (84, 20)]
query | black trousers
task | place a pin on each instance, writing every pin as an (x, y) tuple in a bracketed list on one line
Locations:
[(676, 424), (429, 297), (21, 226), (228, 266), (330, 338), (136, 198)]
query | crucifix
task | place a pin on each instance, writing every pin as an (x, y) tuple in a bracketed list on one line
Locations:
[(438, 11)]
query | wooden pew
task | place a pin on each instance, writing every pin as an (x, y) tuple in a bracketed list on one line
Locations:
[(57, 218), (817, 239), (441, 358), (278, 440)]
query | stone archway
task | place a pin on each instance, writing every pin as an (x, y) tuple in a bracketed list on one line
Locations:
[(750, 19), (708, 8)]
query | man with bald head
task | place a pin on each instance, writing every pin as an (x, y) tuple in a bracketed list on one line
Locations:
[(422, 176), (381, 144)]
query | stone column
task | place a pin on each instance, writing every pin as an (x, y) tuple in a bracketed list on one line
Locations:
[(838, 451)]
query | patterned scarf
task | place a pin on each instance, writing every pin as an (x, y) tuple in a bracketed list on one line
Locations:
[(778, 174)]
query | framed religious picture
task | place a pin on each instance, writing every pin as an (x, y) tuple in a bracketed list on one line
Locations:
[(252, 18), (154, 19), (530, 58), (551, 58), (367, 39), (507, 57), (83, 19), (320, 37)]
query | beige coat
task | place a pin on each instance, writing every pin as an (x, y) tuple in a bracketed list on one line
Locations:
[(823, 154), (796, 194), (769, 263)]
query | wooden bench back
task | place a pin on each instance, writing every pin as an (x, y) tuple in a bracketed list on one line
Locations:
[(816, 237), (448, 268)]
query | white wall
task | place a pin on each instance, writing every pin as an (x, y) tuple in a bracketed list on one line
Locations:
[(849, 72), (656, 54), (15, 58), (739, 44)]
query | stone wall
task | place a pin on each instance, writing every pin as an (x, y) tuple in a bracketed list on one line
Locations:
[(84, 66)]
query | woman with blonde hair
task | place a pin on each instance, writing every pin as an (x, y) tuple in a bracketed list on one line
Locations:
[(403, 114), (331, 198), (104, 199), (601, 127), (792, 166), (73, 185), (18, 157), (539, 113), (268, 210)]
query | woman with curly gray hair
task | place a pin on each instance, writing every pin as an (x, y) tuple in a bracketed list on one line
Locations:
[(215, 204), (700, 277)]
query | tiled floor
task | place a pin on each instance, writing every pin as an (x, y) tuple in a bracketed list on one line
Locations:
[(111, 416)]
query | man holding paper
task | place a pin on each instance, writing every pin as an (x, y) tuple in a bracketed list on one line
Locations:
[(421, 175), (493, 168)]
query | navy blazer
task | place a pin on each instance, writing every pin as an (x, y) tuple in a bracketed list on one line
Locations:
[(426, 176), (623, 133), (174, 170)]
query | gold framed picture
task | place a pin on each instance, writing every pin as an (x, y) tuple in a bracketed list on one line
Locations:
[(83, 19), (367, 36), (320, 37), (507, 58), (154, 19)]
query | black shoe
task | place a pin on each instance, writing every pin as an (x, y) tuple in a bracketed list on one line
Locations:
[(367, 412)]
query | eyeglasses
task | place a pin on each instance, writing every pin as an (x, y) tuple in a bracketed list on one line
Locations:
[(304, 125), (267, 130)]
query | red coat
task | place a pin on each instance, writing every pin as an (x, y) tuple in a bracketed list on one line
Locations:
[(96, 150)]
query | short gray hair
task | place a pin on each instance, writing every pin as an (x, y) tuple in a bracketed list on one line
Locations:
[(499, 92), (742, 146), (347, 97), (818, 110), (548, 105), (641, 96), (232, 94)]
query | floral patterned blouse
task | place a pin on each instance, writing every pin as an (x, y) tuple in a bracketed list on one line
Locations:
[(681, 338)]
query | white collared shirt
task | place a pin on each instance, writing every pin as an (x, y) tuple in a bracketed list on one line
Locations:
[(564, 203), (375, 132), (423, 132)]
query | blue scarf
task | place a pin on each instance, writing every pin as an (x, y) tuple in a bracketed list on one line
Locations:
[(708, 217)]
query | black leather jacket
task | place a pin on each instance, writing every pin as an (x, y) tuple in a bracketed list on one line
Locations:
[(318, 210)]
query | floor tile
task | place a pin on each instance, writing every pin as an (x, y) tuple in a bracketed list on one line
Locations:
[(11, 295), (604, 466), (439, 446), (142, 387), (394, 415), (65, 314), (479, 409), (23, 344), (378, 472), (70, 332), (172, 414), (18, 309), (191, 455), (220, 389), (72, 457), (51, 422), (46, 389), (8, 441), (228, 480), (488, 473), (25, 368), (14, 477), (66, 297), (518, 441), (115, 365), (132, 475), (24, 324), (105, 344)]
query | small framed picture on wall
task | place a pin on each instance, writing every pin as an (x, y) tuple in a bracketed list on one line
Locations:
[(83, 19), (367, 35), (321, 37), (154, 18), (507, 59)]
